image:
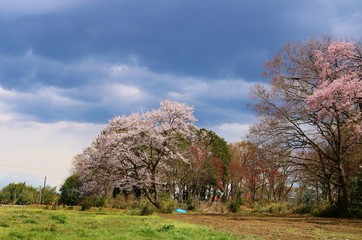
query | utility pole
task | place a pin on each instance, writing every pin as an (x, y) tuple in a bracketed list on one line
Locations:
[(41, 191)]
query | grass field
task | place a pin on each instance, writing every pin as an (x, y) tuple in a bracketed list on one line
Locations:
[(38, 223)]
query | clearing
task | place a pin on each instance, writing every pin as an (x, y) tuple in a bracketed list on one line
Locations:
[(278, 227)]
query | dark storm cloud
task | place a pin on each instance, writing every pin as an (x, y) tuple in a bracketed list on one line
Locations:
[(201, 52), (203, 38)]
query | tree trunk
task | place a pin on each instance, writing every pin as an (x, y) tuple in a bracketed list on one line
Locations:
[(344, 198)]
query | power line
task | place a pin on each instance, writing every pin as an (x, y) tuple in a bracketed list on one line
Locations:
[(28, 168), (24, 177)]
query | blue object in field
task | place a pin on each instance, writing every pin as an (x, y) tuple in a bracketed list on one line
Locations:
[(180, 210)]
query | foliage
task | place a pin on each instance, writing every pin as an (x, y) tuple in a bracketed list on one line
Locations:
[(141, 207), (234, 204), (70, 191), (328, 211), (276, 208), (49, 195), (92, 201), (190, 203), (321, 209), (210, 159), (19, 193), (301, 208), (356, 193), (146, 208), (121, 202), (167, 205), (22, 194), (86, 205), (307, 197)]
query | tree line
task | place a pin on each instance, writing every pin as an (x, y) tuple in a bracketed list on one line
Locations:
[(306, 143), (23, 194)]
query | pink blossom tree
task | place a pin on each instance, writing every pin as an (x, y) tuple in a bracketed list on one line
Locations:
[(338, 94), (137, 151), (337, 100), (312, 111)]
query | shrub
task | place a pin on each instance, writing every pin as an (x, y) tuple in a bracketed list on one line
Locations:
[(190, 203), (18, 193), (302, 209), (69, 192), (277, 208), (142, 207), (328, 211), (234, 206), (272, 207), (147, 209), (355, 188), (167, 205), (85, 205), (118, 202), (92, 201), (322, 209)]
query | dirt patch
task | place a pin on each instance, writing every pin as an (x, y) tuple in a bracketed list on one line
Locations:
[(284, 228)]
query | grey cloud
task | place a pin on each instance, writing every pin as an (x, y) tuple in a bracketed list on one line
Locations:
[(206, 53)]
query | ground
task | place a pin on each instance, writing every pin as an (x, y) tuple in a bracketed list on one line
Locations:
[(280, 227)]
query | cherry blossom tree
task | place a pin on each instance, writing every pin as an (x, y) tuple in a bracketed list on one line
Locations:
[(337, 99), (312, 110), (137, 151), (339, 87)]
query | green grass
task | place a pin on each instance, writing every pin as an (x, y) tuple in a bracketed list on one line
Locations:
[(32, 223)]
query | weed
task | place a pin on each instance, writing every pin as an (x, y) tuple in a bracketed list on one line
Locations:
[(147, 231), (31, 221), (16, 235), (166, 228), (52, 228), (58, 218), (91, 225), (4, 224)]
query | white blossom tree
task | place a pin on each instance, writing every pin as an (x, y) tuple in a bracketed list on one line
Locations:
[(137, 151)]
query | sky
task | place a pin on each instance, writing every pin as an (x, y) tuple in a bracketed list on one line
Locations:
[(68, 66)]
